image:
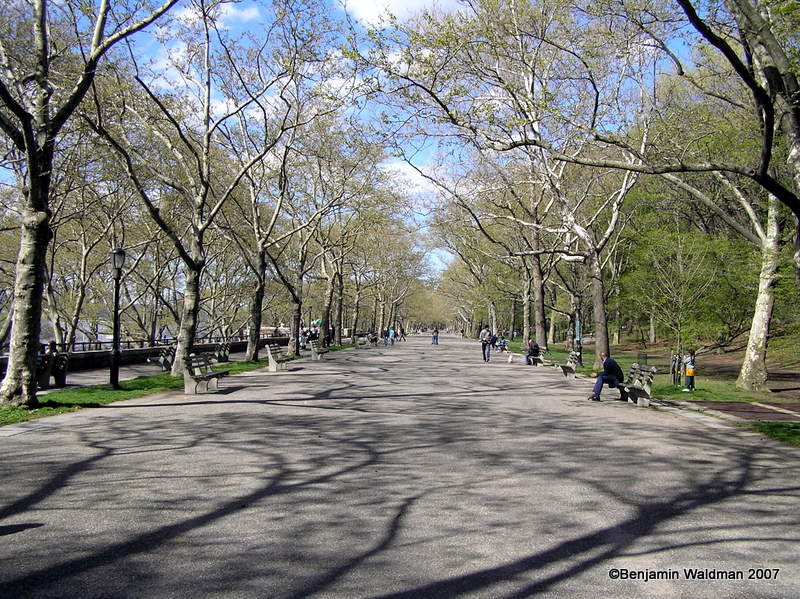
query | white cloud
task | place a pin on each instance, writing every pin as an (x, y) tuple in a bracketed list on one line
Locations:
[(414, 183), (230, 13), (227, 15), (373, 12)]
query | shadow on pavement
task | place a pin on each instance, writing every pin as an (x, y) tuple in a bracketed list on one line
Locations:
[(427, 493)]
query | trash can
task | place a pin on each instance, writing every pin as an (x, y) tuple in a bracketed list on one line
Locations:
[(60, 370)]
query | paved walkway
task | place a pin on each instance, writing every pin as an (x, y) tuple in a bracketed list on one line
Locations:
[(408, 471)]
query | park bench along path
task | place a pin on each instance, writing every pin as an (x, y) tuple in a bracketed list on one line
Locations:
[(404, 471)]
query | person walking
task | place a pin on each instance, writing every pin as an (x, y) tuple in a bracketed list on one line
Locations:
[(435, 337), (611, 376), (485, 338)]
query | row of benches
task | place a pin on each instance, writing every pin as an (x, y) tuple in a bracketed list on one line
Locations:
[(199, 373), (637, 386), (166, 356)]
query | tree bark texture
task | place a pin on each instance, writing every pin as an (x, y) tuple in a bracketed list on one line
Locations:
[(256, 310), (27, 308), (339, 319), (599, 311), (297, 317), (537, 284), (526, 307), (356, 307), (753, 373), (188, 326)]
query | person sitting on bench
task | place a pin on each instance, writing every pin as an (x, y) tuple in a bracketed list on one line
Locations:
[(533, 352), (611, 376)]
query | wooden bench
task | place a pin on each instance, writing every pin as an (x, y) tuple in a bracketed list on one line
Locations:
[(277, 357), (572, 364), (540, 360), (60, 365), (317, 351), (638, 384), (223, 353), (166, 358), (197, 372)]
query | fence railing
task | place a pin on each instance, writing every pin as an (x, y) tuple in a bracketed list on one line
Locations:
[(85, 346)]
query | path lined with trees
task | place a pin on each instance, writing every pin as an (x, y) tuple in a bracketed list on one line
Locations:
[(413, 470), (593, 168)]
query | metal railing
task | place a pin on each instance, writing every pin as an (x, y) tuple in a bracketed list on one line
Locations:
[(87, 346)]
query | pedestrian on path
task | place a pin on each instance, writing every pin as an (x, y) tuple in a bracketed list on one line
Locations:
[(688, 366), (611, 376), (485, 338), (435, 337)]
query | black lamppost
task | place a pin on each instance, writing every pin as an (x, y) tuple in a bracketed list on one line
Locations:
[(117, 262)]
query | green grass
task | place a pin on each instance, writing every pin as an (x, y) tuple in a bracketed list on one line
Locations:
[(788, 432), (341, 347), (70, 400)]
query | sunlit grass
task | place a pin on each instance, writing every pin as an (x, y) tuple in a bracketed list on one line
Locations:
[(70, 400), (788, 432)]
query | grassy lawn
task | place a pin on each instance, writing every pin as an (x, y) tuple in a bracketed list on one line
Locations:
[(783, 431), (70, 400)]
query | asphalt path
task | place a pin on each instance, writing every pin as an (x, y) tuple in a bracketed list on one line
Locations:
[(405, 471)]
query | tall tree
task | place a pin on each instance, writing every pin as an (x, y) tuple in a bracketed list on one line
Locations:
[(41, 86)]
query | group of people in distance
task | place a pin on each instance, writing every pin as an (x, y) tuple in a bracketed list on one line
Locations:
[(393, 334), (307, 334)]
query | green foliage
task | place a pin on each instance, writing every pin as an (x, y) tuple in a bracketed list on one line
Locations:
[(698, 286)]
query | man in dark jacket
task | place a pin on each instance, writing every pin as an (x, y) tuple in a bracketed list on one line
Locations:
[(611, 376)]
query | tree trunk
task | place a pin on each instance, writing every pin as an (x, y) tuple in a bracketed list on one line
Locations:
[(72, 329), (599, 311), (297, 316), (188, 326), (652, 329), (381, 316), (326, 312), (537, 284), (28, 289), (356, 302), (526, 307), (52, 314), (753, 373), (492, 317), (339, 321), (256, 309), (6, 328), (551, 330)]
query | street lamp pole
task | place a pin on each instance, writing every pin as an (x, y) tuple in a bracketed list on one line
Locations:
[(117, 262)]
